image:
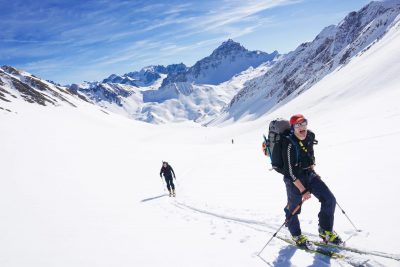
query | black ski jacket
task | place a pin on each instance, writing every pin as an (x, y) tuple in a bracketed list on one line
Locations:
[(167, 171), (298, 156)]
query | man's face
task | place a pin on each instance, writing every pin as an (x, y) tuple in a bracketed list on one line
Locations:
[(300, 129)]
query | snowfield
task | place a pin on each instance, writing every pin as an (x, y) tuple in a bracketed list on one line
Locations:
[(80, 187)]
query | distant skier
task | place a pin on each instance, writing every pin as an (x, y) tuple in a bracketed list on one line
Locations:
[(301, 181), (167, 171)]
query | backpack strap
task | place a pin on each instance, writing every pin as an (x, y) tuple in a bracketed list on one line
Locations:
[(296, 145)]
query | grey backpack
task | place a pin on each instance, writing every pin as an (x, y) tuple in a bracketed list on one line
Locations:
[(278, 130)]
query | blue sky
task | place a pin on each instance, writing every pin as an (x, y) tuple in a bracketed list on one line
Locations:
[(71, 41)]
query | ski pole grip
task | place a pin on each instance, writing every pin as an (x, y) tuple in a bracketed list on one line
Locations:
[(296, 209)]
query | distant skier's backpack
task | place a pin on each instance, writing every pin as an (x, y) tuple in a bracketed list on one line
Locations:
[(272, 147)]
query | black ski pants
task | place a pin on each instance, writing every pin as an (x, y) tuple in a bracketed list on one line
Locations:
[(313, 183), (170, 183)]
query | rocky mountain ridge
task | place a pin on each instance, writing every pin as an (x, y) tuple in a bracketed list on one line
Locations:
[(332, 48)]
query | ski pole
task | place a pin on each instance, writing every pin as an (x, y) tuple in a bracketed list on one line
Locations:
[(337, 204), (286, 221), (347, 217)]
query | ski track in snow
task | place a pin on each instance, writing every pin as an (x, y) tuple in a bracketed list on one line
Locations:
[(223, 227)]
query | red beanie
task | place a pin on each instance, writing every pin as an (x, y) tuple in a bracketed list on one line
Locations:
[(296, 118)]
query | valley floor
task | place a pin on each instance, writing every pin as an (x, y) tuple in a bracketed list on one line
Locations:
[(81, 188)]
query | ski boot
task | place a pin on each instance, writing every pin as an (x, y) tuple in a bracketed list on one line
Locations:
[(170, 193), (301, 241), (330, 237), (173, 193)]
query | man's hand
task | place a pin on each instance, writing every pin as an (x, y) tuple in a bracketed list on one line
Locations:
[(306, 195)]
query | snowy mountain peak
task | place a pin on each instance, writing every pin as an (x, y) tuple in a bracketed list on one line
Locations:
[(229, 59), (146, 76), (369, 12), (158, 94), (9, 69), (382, 4), (229, 47), (299, 70), (176, 68), (14, 71)]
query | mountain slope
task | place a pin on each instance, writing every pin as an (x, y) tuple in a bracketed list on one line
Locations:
[(158, 94), (175, 93), (334, 47), (17, 86), (199, 103), (146, 76), (229, 59)]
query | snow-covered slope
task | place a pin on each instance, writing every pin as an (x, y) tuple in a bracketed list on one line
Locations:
[(334, 47), (197, 102), (82, 188), (19, 86), (146, 76), (113, 91), (158, 94), (229, 59)]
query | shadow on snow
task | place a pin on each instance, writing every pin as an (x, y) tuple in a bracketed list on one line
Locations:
[(152, 198), (287, 252)]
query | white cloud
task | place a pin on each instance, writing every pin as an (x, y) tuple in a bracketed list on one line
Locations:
[(122, 34)]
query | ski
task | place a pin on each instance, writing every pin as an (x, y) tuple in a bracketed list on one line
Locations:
[(337, 255), (354, 261), (355, 250), (315, 249)]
